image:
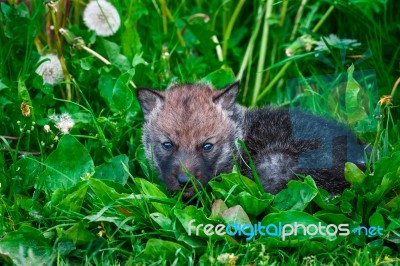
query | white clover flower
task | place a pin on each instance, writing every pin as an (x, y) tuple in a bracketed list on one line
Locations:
[(63, 122), (51, 69), (101, 17), (335, 41)]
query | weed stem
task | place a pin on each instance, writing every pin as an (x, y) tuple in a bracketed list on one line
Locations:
[(263, 51)]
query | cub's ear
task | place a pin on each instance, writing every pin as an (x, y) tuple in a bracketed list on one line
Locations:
[(149, 99), (227, 96)]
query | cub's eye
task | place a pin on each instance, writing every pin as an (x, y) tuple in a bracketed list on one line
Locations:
[(207, 147), (168, 146)]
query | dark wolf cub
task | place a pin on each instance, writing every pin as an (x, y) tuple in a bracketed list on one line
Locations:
[(195, 127)]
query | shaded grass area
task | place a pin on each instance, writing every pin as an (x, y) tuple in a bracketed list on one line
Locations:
[(90, 197)]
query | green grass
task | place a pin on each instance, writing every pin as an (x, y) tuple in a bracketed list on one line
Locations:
[(90, 197)]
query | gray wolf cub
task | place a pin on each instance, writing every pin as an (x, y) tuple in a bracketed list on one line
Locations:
[(193, 128)]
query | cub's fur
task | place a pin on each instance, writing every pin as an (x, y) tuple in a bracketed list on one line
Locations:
[(193, 128)]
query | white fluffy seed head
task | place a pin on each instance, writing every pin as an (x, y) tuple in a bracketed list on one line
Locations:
[(101, 17), (50, 70), (63, 122)]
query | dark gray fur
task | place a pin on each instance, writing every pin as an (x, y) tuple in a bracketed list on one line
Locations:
[(281, 142)]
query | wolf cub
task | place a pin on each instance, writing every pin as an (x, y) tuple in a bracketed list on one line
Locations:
[(193, 128)]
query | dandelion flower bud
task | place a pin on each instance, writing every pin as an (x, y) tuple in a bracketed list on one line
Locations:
[(101, 17), (25, 109), (46, 128), (51, 69)]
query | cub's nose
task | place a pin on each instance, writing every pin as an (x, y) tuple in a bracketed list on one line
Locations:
[(183, 179)]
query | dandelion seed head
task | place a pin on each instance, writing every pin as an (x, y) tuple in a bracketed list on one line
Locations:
[(335, 41), (101, 17), (63, 122), (51, 69)]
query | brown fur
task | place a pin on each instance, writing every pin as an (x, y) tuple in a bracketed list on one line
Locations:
[(281, 142), (188, 116)]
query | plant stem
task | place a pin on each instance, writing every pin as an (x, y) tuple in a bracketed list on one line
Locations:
[(250, 46), (322, 20), (297, 19), (102, 59), (67, 76), (263, 51), (274, 81), (94, 53), (228, 31), (285, 66)]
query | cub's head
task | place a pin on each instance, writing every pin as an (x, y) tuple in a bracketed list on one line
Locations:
[(190, 128)]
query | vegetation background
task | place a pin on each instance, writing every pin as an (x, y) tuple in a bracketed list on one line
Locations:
[(75, 187)]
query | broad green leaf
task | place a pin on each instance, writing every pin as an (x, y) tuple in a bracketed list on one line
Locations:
[(23, 93), (65, 246), (150, 189), (389, 181), (254, 205), (235, 214), (165, 250), (2, 85), (74, 200), (66, 165), (241, 183), (346, 207), (193, 217), (217, 208), (376, 219), (130, 39), (163, 221), (220, 78), (140, 157), (114, 55), (122, 96), (25, 172), (78, 234), (324, 200), (394, 205), (383, 166), (26, 245), (113, 170), (104, 217), (117, 93), (106, 83), (335, 218), (354, 109), (107, 195), (354, 175), (277, 223), (296, 197)]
